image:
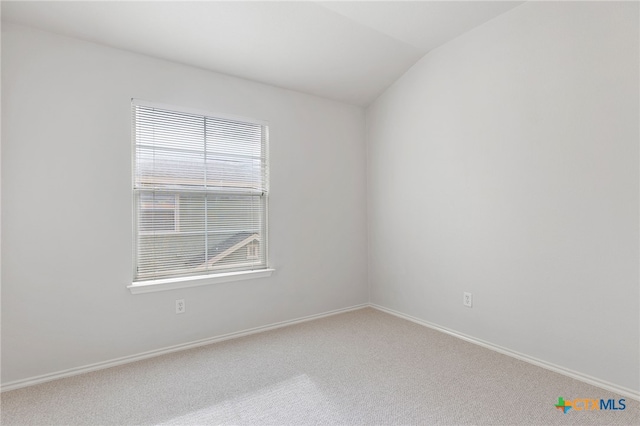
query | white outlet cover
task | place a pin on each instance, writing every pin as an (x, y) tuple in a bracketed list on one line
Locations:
[(180, 306), (467, 299)]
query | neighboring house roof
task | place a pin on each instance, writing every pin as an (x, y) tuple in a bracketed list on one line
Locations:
[(219, 251)]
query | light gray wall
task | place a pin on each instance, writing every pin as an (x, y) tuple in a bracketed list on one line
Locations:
[(505, 163), (66, 206)]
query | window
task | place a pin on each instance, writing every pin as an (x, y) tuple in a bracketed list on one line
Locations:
[(200, 193)]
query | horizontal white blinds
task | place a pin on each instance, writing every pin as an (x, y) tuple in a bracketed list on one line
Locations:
[(200, 193)]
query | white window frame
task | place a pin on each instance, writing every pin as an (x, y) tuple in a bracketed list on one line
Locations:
[(212, 277)]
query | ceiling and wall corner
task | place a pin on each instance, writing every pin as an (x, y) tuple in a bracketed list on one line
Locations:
[(346, 51)]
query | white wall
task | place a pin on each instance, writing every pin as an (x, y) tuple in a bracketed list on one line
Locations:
[(66, 206), (505, 163)]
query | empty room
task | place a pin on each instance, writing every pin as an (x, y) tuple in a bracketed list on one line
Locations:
[(340, 213)]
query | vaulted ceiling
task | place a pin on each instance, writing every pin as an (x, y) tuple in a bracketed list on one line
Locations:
[(347, 51)]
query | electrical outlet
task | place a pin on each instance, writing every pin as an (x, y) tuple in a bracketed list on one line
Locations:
[(180, 306), (467, 299)]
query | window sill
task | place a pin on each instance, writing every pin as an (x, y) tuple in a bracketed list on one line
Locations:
[(184, 282)]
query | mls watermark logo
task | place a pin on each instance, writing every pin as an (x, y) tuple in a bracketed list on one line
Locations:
[(589, 404)]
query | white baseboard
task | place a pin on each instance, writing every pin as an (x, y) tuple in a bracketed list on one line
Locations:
[(150, 354), (630, 393)]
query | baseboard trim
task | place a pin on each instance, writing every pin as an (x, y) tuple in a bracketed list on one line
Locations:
[(630, 393), (176, 348)]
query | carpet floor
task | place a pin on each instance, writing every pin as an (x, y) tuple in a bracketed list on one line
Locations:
[(358, 368)]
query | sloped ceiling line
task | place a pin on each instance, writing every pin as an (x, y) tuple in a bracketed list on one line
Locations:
[(346, 51)]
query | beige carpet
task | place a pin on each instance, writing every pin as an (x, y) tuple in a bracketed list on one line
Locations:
[(361, 367)]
